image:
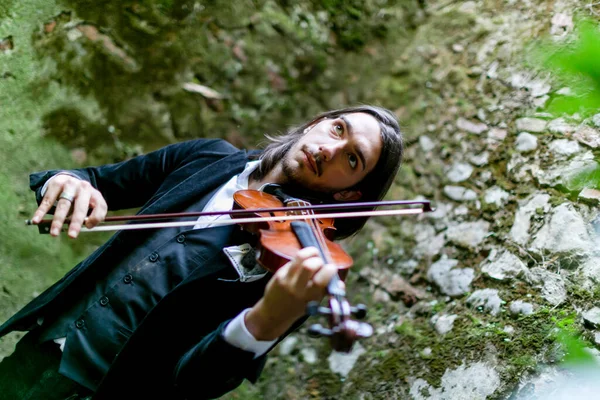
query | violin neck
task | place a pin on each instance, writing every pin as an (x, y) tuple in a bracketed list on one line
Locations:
[(307, 237)]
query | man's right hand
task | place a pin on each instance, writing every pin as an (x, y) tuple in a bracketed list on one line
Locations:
[(75, 196)]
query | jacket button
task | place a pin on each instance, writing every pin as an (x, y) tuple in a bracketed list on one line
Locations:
[(180, 238), (127, 278), (153, 257), (103, 301), (79, 323)]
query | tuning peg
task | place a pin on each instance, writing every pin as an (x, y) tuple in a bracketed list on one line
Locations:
[(359, 311), (313, 309), (318, 330)]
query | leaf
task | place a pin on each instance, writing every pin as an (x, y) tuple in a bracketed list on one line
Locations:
[(203, 90)]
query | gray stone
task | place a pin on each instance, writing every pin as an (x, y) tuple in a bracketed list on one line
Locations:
[(428, 242), (525, 142), (565, 231), (592, 317), (561, 383), (552, 285), (408, 267), (520, 168), (565, 91), (561, 24), (531, 124), (458, 48), (590, 270), (540, 102), (443, 323), (564, 148), (459, 193), (596, 120), (588, 136), (559, 125), (309, 355), (591, 196), (479, 159), (486, 298), (472, 127), (520, 229), (459, 172), (521, 307), (441, 211), (504, 266), (287, 345), (381, 296), (342, 363), (495, 195), (426, 143), (497, 134), (475, 382), (536, 87), (468, 234), (451, 281), (74, 34)]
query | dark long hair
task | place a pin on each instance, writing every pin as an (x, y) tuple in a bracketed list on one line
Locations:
[(373, 187)]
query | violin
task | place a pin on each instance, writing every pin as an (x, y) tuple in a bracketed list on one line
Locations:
[(280, 240)]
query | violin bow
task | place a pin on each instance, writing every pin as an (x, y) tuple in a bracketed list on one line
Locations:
[(139, 221)]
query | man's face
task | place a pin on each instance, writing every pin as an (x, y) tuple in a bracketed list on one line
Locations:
[(335, 154)]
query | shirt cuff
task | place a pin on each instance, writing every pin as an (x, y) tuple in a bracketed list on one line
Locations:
[(239, 336), (45, 187)]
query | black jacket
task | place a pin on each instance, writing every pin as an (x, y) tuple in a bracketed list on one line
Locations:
[(178, 350)]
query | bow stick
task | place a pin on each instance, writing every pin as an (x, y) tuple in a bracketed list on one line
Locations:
[(44, 225)]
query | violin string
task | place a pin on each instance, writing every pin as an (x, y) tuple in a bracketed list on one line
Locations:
[(320, 236)]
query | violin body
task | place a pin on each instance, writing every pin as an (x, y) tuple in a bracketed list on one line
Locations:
[(278, 243)]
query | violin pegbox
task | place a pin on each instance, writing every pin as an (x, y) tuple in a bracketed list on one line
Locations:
[(343, 331)]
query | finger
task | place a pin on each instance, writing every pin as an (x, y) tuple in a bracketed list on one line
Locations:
[(80, 209), (47, 203), (99, 210), (307, 270), (321, 279), (63, 206), (302, 255)]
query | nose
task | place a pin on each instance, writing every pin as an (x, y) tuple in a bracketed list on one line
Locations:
[(329, 151)]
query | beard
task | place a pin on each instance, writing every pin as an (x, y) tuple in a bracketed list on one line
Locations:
[(297, 184)]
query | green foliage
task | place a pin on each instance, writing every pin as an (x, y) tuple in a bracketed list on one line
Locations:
[(589, 178), (273, 63), (576, 353), (575, 64)]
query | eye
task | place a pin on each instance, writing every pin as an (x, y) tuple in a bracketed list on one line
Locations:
[(338, 129), (352, 160)]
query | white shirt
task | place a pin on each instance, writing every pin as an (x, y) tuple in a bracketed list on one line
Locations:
[(236, 333)]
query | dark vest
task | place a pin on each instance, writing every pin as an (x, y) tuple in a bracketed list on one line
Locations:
[(98, 326)]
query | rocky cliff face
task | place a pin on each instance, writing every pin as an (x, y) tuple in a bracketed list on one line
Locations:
[(479, 299)]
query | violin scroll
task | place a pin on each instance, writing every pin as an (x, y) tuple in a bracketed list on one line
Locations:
[(343, 331)]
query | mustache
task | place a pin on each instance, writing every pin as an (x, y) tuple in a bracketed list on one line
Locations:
[(318, 158)]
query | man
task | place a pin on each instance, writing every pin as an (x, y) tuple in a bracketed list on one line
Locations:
[(178, 313)]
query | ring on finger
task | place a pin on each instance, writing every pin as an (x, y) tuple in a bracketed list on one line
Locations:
[(67, 196)]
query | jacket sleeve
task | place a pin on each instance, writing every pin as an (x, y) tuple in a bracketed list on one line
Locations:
[(131, 183), (214, 367)]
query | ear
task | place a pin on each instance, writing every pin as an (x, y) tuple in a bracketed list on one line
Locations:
[(347, 195)]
